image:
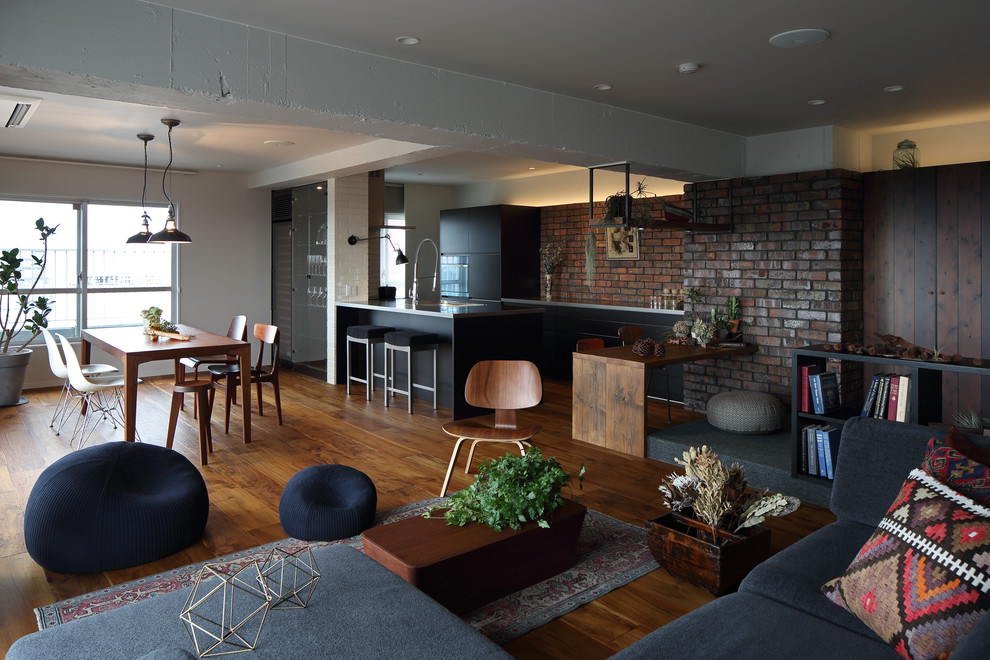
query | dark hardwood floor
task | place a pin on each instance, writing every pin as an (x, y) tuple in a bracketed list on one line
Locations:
[(405, 455)]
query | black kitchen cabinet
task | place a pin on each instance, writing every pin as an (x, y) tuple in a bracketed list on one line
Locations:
[(503, 244)]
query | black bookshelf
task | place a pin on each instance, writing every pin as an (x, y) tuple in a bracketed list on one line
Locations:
[(924, 397)]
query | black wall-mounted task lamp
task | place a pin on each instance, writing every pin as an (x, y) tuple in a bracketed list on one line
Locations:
[(400, 258)]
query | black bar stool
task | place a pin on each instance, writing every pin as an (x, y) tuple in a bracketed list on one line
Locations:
[(409, 342), (369, 335)]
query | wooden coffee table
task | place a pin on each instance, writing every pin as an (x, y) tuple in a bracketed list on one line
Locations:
[(463, 568)]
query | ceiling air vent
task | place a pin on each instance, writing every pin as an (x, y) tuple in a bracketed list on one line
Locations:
[(15, 112)]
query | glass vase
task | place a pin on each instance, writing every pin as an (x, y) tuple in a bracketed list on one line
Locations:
[(547, 285)]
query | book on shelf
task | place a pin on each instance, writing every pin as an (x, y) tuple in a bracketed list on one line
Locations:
[(902, 398), (830, 437), (871, 396), (824, 393), (895, 386), (805, 371), (880, 409), (803, 453), (811, 442), (820, 446)]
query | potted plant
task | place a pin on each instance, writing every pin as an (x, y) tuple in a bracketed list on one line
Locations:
[(511, 491), (732, 309), (712, 536), (703, 332), (639, 212), (18, 311)]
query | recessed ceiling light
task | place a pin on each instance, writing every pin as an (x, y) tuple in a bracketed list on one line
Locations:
[(893, 88), (532, 168), (603, 87), (218, 165), (816, 102), (799, 38), (280, 143), (688, 68), (407, 40)]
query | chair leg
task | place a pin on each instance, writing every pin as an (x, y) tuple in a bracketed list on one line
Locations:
[(409, 387), (389, 372), (450, 466), (278, 401), (173, 418), (369, 370), (204, 426), (348, 366), (260, 403), (228, 388)]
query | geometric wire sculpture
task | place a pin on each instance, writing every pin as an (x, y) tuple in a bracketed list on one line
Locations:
[(221, 619), (290, 577)]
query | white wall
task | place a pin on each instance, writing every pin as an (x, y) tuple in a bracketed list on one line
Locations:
[(423, 206), (224, 272), (946, 145)]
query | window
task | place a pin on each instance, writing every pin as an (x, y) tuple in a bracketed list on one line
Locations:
[(94, 276)]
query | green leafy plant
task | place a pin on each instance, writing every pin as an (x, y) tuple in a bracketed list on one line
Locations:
[(17, 310), (695, 296), (639, 208), (510, 491), (589, 257), (154, 321), (732, 308)]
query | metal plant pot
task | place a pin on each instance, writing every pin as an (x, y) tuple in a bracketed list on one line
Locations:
[(13, 370)]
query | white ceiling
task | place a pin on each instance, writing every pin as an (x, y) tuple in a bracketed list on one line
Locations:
[(938, 51)]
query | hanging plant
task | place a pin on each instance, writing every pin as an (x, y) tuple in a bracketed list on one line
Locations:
[(589, 257)]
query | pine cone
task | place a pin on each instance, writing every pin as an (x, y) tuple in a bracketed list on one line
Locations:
[(643, 347), (659, 350)]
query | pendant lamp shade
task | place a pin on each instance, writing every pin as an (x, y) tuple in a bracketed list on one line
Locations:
[(171, 233)]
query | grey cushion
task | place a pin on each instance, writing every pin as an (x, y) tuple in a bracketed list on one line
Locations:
[(359, 610), (744, 626), (368, 331), (745, 412), (795, 575)]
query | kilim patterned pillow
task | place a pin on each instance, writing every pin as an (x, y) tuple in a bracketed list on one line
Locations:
[(958, 472), (922, 581)]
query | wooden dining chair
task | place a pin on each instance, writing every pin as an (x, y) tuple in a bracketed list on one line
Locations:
[(506, 386), (230, 374), (236, 330), (628, 334), (590, 344)]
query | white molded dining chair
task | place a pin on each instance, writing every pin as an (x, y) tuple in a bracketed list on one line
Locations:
[(100, 394), (57, 364)]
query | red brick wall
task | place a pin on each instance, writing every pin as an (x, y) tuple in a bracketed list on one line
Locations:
[(794, 257), (615, 282)]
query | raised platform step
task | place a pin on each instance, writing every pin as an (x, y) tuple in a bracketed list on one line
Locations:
[(766, 458)]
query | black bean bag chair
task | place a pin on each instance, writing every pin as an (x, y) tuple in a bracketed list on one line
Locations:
[(112, 506), (327, 503)]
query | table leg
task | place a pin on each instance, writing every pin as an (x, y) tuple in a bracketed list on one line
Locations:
[(130, 397), (245, 362)]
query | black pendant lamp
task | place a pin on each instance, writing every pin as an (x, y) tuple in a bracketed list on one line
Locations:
[(143, 235), (171, 233)]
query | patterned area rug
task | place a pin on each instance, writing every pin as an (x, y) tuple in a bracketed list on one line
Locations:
[(610, 554)]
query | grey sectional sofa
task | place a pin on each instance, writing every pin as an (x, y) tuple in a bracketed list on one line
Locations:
[(779, 610), (359, 610)]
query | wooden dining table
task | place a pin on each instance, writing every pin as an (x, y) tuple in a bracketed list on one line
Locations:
[(133, 347), (610, 389)]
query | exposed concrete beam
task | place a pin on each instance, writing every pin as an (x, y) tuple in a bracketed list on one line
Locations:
[(136, 51)]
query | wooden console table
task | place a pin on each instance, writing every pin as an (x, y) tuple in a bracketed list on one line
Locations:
[(465, 567), (609, 392)]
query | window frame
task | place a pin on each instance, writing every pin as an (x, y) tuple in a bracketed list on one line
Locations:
[(82, 289)]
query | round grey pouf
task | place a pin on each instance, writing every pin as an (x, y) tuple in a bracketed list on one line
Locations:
[(327, 503), (745, 412)]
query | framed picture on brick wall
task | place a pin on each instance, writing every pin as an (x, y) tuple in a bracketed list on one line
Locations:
[(621, 243)]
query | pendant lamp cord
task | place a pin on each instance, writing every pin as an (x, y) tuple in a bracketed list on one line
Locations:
[(167, 168)]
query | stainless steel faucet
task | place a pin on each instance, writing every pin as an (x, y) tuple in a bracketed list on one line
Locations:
[(436, 268)]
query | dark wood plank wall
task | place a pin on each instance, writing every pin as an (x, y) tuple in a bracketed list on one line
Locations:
[(925, 233)]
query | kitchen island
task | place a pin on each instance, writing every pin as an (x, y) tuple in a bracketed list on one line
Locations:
[(469, 331)]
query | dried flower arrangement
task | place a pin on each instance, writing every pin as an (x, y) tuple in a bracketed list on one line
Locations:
[(716, 495), (551, 258)]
